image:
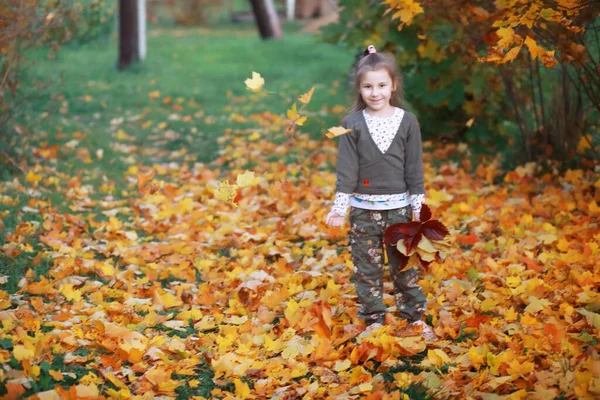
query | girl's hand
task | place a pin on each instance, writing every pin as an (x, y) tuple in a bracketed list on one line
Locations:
[(334, 219), (417, 216)]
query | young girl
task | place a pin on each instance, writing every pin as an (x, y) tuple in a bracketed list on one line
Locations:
[(380, 177)]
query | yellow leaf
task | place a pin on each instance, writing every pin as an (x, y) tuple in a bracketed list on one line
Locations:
[(488, 304), (226, 192), (154, 94), (292, 313), (21, 353), (305, 98), (477, 357), (510, 315), (513, 281), (47, 395), (426, 245), (33, 177), (436, 358), (87, 391), (254, 136), (56, 375), (247, 179), (157, 375), (548, 59), (336, 131), (342, 365), (516, 369), (506, 37), (512, 54), (533, 47), (592, 318), (242, 390), (300, 121), (536, 305), (255, 83), (593, 208), (70, 293), (292, 113)]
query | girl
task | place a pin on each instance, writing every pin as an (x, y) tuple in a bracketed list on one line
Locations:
[(380, 177)]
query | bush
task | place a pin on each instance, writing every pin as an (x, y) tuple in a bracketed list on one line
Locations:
[(32, 24)]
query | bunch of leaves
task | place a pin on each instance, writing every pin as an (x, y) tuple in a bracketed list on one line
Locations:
[(418, 242)]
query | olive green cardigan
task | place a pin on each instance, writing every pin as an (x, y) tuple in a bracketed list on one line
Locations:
[(363, 168)]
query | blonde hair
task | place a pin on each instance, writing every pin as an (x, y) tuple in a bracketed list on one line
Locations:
[(373, 62)]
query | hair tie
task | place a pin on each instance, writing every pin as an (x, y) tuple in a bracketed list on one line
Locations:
[(371, 49)]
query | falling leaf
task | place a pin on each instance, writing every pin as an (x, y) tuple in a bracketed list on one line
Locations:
[(255, 83), (337, 131), (305, 98), (293, 115)]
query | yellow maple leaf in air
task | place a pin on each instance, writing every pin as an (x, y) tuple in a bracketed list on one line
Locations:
[(255, 83), (336, 131), (305, 98), (293, 115), (247, 179)]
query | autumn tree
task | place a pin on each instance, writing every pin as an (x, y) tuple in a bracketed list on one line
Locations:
[(490, 66)]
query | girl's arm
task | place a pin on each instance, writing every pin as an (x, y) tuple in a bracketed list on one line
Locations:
[(340, 204)]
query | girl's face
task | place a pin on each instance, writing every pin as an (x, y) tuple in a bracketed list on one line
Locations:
[(376, 88)]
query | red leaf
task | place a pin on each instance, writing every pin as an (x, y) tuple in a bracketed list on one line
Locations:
[(412, 242), (434, 230), (408, 228), (392, 235), (366, 182), (425, 213)]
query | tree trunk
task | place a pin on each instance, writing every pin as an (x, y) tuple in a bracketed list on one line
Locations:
[(132, 32), (266, 19)]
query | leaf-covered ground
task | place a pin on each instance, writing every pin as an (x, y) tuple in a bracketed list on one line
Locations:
[(181, 294)]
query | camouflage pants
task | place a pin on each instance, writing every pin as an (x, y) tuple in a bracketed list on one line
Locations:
[(366, 240)]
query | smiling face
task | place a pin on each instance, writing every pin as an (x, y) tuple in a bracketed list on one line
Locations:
[(376, 88)]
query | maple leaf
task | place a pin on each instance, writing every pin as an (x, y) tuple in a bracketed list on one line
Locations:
[(294, 116), (143, 179), (305, 98), (247, 179), (256, 83), (226, 192), (336, 131)]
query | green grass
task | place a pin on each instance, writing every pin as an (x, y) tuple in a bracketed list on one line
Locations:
[(187, 64), (81, 90)]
